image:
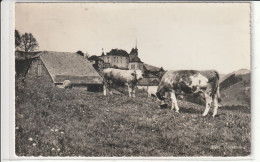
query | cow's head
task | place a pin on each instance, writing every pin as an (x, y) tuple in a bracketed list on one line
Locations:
[(160, 99), (162, 94), (138, 74), (159, 96)]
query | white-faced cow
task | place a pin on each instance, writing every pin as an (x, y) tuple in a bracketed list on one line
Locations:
[(121, 77), (190, 81)]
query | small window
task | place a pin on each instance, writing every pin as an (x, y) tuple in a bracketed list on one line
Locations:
[(39, 70), (133, 66), (140, 67)]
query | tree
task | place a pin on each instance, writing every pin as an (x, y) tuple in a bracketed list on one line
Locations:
[(17, 39), (80, 53), (161, 69), (28, 42)]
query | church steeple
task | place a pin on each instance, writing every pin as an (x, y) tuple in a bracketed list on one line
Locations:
[(102, 52), (135, 43)]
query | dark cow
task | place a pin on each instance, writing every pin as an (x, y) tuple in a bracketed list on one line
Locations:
[(190, 81), (122, 77)]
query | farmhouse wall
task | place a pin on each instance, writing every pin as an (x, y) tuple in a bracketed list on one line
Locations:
[(38, 74)]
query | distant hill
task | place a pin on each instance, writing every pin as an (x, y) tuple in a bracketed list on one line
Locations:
[(235, 88), (238, 72), (151, 67), (221, 76)]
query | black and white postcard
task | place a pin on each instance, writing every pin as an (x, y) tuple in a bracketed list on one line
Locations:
[(132, 80)]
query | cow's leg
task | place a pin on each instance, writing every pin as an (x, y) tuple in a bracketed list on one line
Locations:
[(133, 91), (208, 104), (105, 90), (174, 102), (129, 90), (109, 88), (215, 102), (110, 91)]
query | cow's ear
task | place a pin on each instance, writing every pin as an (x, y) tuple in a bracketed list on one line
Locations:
[(133, 74)]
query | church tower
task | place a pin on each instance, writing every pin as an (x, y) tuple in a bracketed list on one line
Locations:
[(102, 52), (134, 51)]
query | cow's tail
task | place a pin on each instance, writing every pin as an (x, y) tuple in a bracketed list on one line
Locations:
[(216, 91)]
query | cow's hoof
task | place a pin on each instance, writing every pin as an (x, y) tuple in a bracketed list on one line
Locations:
[(177, 112), (204, 114)]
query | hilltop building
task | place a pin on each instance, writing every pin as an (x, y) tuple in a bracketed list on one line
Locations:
[(118, 58), (135, 63)]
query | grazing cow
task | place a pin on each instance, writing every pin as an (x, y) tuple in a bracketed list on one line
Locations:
[(122, 77), (190, 81)]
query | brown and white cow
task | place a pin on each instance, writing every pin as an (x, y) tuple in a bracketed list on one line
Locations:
[(122, 77), (190, 81)]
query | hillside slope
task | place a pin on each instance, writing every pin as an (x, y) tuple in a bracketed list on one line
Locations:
[(238, 72), (235, 88), (151, 67)]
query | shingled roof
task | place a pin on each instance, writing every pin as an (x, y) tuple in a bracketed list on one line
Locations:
[(149, 82), (70, 66), (118, 52)]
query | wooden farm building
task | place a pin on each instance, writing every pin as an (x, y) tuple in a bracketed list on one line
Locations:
[(53, 68), (148, 82)]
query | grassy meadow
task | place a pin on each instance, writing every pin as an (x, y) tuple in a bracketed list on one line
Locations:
[(74, 122)]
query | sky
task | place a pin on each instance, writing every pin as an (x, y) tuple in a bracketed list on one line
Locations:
[(174, 36)]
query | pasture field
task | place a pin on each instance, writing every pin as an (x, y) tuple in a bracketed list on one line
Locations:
[(74, 122)]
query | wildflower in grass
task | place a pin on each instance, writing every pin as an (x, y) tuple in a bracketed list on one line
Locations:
[(30, 139)]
